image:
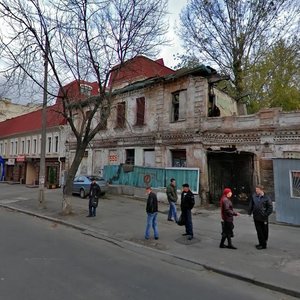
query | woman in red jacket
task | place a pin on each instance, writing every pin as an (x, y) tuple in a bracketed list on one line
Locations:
[(227, 214)]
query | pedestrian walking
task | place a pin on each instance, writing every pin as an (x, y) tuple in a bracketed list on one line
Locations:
[(151, 209), (261, 207), (227, 214), (94, 195), (172, 199), (187, 204)]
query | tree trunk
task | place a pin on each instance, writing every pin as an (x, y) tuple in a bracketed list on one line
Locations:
[(67, 189), (66, 205)]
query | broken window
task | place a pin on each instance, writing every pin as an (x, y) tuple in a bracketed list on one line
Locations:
[(121, 115), (140, 111), (179, 158), (129, 157), (178, 110)]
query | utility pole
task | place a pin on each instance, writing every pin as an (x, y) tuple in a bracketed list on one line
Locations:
[(42, 202)]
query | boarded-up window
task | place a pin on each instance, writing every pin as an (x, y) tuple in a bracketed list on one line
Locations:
[(121, 115), (149, 158), (178, 110), (140, 111)]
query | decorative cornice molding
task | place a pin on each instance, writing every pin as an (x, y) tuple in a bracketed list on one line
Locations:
[(207, 138)]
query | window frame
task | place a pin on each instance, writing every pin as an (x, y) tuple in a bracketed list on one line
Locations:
[(140, 111), (28, 146), (49, 144), (121, 115), (292, 185), (85, 89), (56, 145), (178, 106)]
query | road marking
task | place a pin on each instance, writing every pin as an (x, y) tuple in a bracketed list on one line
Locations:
[(21, 198), (7, 201)]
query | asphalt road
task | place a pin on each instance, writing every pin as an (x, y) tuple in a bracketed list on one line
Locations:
[(44, 260)]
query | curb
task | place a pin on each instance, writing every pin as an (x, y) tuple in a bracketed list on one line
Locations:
[(92, 233)]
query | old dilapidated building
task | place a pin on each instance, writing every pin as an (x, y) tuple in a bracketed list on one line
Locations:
[(161, 118), (240, 149), (156, 116)]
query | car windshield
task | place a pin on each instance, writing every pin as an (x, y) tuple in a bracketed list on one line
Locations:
[(97, 178)]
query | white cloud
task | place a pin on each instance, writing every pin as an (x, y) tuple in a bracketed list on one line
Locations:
[(167, 52)]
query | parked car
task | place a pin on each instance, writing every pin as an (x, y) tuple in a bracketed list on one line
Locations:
[(82, 183)]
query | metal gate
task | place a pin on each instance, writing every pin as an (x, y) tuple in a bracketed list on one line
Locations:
[(230, 169)]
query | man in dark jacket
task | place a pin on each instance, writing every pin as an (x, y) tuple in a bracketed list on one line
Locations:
[(187, 203), (94, 195), (151, 209), (261, 207), (172, 199)]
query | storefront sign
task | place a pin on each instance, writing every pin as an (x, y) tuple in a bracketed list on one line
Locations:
[(10, 162), (21, 158)]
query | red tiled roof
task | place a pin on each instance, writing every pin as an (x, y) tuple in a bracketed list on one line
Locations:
[(138, 68), (72, 90), (31, 122)]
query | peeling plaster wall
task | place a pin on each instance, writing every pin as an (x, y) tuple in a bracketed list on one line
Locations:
[(269, 133), (226, 104)]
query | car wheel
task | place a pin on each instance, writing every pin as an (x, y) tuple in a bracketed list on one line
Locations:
[(82, 193)]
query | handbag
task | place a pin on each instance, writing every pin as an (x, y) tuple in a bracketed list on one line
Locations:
[(181, 220), (94, 202)]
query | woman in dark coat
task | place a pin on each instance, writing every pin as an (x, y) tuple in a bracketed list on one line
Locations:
[(227, 214)]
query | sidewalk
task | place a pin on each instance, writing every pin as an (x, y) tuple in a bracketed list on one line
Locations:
[(122, 219)]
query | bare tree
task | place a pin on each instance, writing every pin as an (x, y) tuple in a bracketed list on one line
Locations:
[(80, 40), (233, 34)]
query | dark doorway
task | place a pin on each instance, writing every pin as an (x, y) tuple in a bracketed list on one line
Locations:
[(230, 169)]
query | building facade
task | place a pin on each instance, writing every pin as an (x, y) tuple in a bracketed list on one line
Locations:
[(155, 122), (10, 110), (182, 120), (20, 147)]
